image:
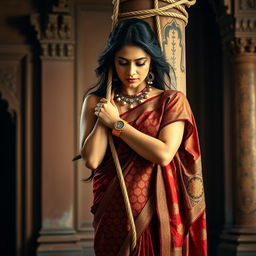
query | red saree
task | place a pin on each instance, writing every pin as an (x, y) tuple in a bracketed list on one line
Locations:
[(167, 202)]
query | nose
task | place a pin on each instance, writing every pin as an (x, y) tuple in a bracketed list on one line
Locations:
[(132, 69)]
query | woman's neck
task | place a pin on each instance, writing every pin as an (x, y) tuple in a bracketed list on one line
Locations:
[(132, 91)]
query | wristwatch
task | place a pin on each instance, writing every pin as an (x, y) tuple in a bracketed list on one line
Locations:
[(118, 127)]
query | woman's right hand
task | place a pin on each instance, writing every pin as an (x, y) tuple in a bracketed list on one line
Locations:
[(107, 112)]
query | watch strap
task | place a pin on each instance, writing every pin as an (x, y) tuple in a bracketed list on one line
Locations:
[(117, 132)]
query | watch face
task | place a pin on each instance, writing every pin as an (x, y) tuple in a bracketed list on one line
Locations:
[(119, 125)]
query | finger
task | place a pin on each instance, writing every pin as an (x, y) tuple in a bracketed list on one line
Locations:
[(103, 100), (97, 111), (97, 108), (113, 102)]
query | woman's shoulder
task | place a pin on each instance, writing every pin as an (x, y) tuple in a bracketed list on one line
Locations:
[(92, 97), (90, 100), (174, 94)]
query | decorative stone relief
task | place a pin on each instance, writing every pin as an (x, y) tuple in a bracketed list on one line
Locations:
[(243, 45), (56, 38), (8, 78), (9, 86), (247, 4), (238, 29), (246, 24)]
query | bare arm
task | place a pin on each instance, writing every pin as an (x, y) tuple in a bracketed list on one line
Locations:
[(93, 134), (159, 150)]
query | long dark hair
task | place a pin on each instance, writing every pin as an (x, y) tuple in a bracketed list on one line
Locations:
[(131, 32)]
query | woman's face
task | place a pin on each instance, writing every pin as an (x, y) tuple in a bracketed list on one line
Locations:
[(132, 65)]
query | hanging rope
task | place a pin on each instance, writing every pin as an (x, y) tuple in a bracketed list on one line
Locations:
[(119, 171), (141, 14)]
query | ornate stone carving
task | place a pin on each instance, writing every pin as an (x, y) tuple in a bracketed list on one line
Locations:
[(245, 24), (239, 34), (243, 45), (56, 38), (8, 87), (8, 78), (238, 29), (247, 4)]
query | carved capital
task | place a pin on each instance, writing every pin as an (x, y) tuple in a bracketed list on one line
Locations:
[(238, 28), (56, 37), (243, 45)]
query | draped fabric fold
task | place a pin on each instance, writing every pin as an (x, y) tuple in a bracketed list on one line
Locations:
[(167, 202)]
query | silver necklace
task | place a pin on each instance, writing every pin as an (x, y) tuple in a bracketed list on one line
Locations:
[(134, 99)]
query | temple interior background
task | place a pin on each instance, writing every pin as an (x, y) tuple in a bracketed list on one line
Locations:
[(45, 205)]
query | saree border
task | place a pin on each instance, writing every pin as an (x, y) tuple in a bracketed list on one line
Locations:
[(163, 214), (141, 223)]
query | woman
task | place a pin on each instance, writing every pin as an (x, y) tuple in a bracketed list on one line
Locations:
[(156, 139)]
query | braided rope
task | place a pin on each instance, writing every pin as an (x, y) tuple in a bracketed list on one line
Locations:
[(115, 14), (158, 25), (142, 14), (162, 11), (119, 170)]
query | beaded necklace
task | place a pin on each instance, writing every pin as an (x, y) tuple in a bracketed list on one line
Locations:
[(133, 99)]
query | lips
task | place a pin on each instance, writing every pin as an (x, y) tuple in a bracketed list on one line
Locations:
[(132, 80)]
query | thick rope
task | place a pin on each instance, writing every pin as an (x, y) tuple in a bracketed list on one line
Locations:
[(162, 11), (158, 25), (115, 14), (119, 171), (142, 14)]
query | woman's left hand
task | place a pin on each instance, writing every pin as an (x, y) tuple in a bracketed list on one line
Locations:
[(107, 112)]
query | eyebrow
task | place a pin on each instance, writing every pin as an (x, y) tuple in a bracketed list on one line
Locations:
[(142, 58)]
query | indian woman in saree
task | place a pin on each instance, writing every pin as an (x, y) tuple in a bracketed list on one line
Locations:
[(156, 139)]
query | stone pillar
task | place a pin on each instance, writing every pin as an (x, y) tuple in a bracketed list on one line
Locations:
[(57, 235), (173, 36), (240, 237)]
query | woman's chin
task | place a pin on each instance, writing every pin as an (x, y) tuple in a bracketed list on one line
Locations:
[(133, 85)]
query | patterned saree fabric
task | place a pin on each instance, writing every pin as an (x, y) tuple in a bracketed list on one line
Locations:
[(167, 202)]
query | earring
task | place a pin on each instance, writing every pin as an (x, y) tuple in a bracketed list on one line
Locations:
[(150, 77)]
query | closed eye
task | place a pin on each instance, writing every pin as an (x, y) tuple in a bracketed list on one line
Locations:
[(140, 64), (122, 63), (126, 63)]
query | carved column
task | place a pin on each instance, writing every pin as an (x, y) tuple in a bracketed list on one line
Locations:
[(240, 237), (57, 235), (172, 33)]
